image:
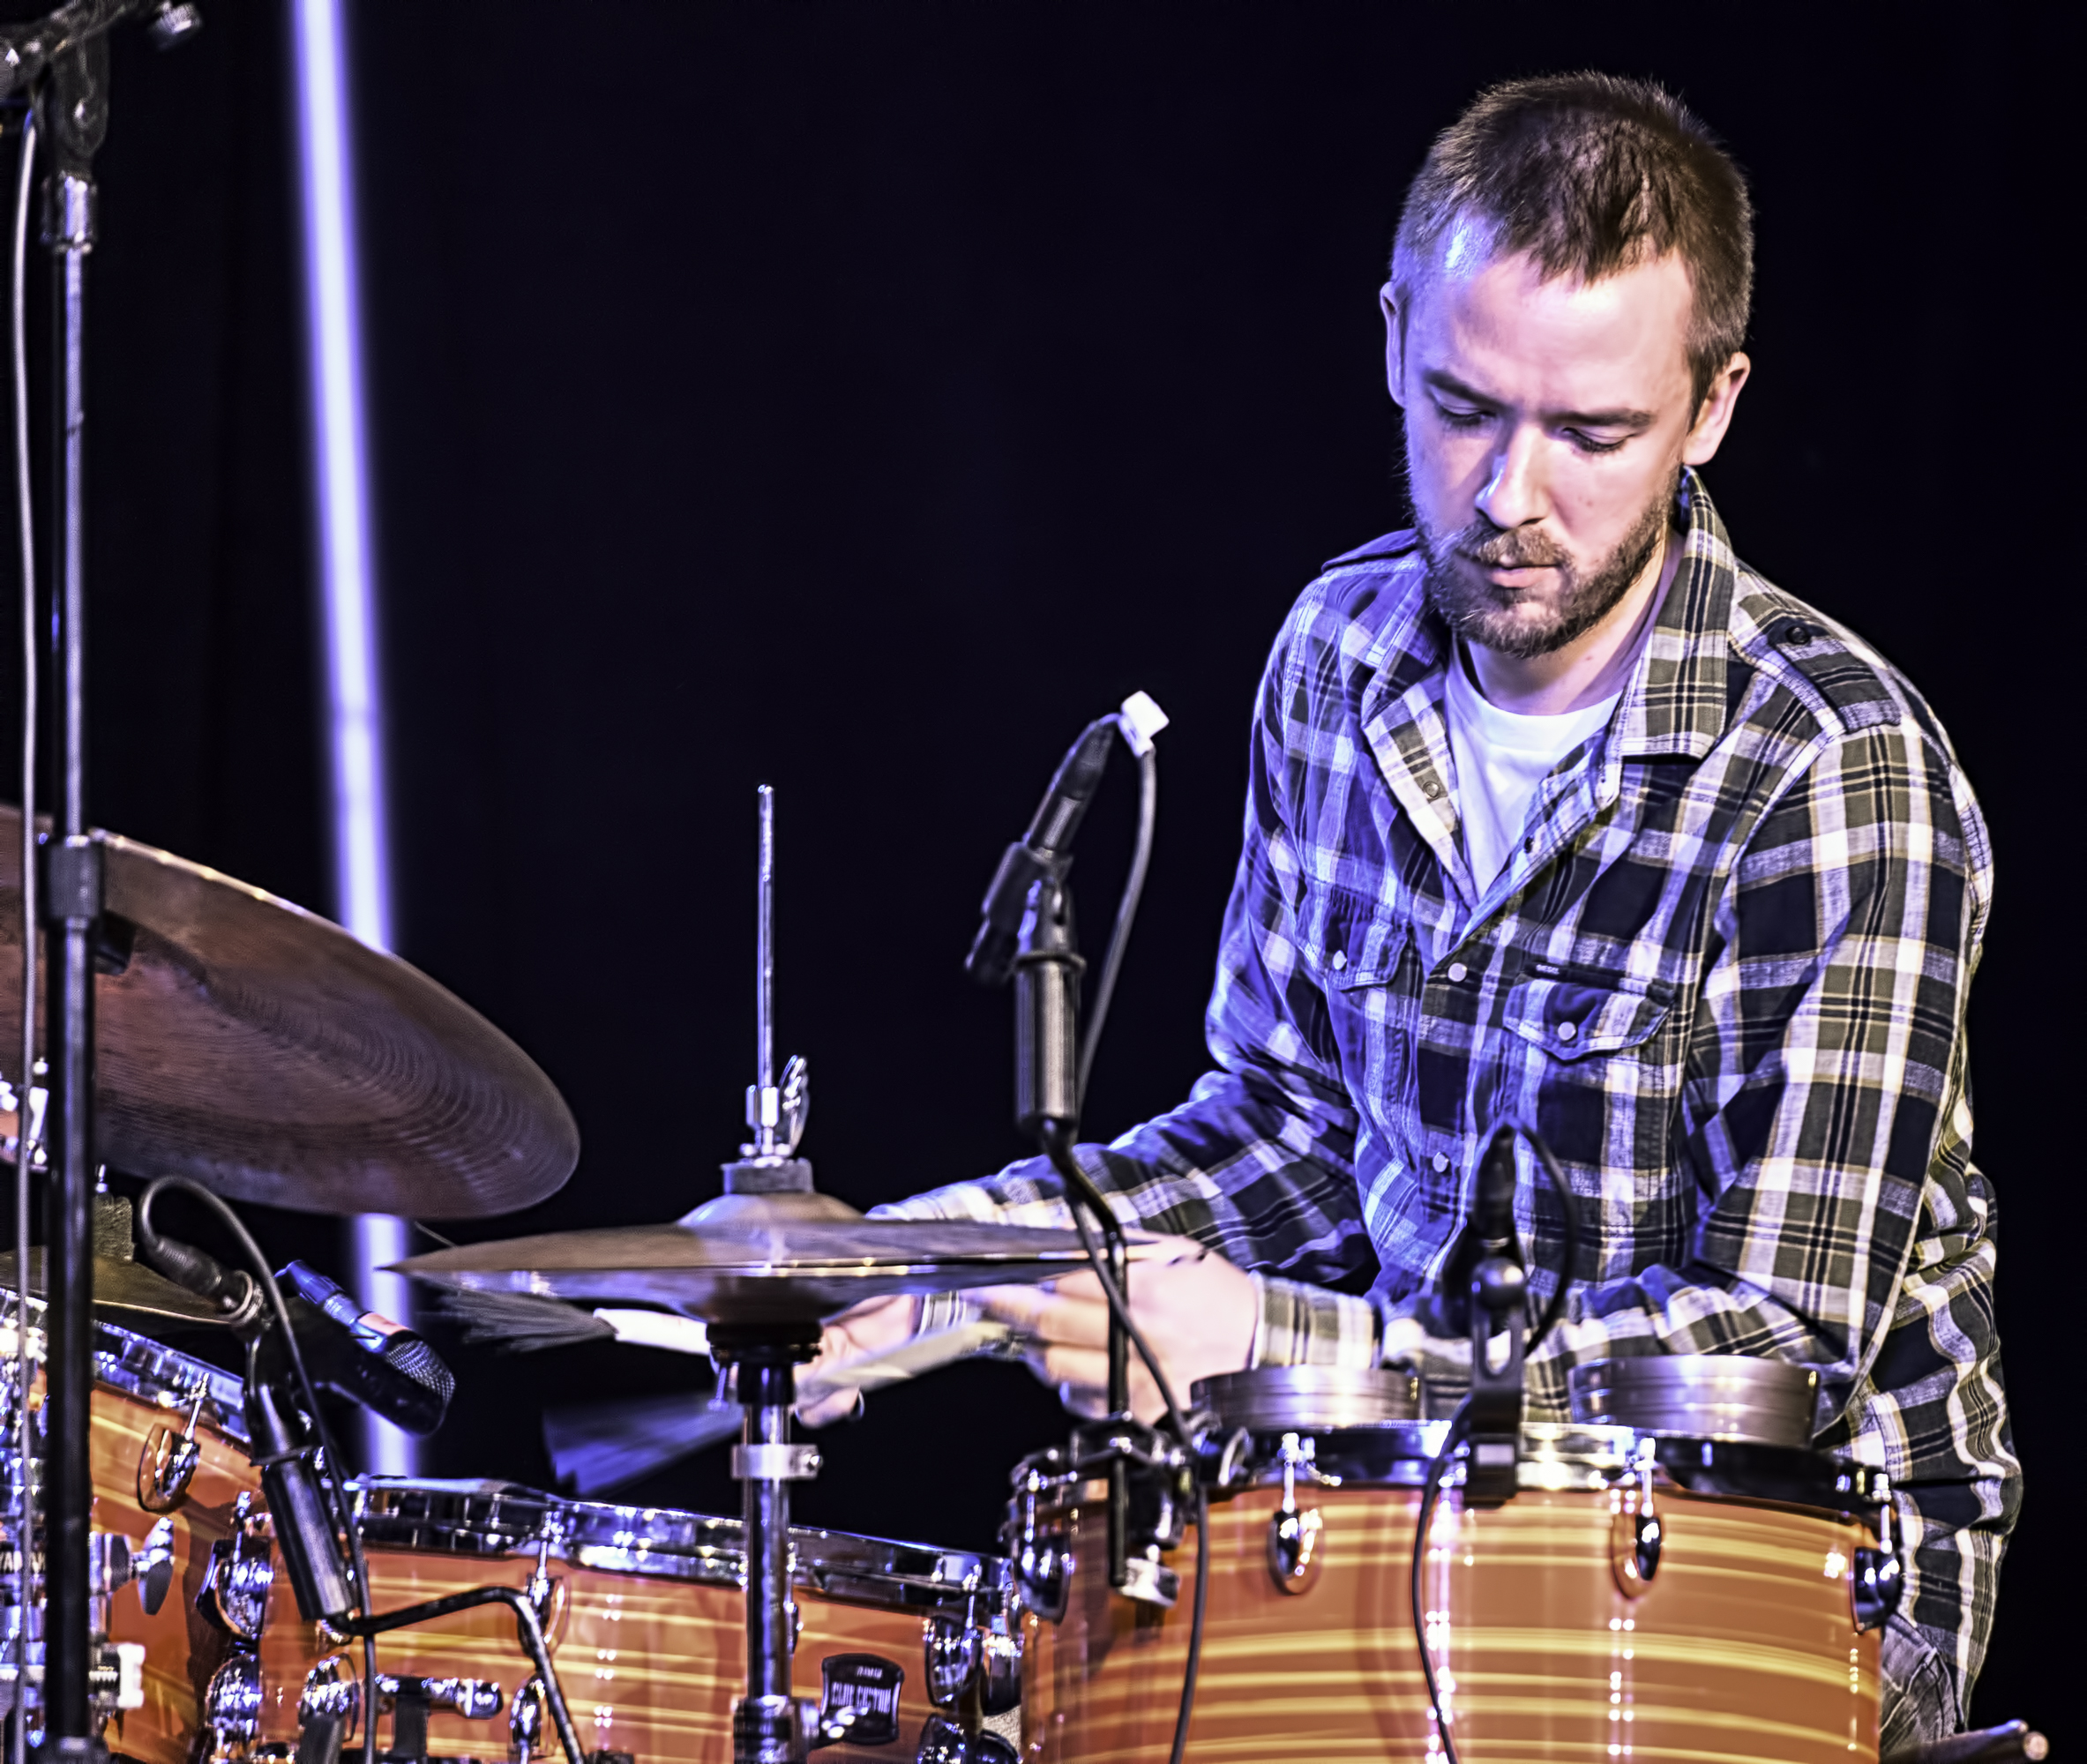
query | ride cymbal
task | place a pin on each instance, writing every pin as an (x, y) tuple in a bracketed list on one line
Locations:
[(268, 1054)]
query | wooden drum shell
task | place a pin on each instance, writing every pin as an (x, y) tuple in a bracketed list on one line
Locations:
[(181, 1648), (650, 1665), (1743, 1646)]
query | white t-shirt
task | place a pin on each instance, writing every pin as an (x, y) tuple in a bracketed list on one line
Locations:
[(1500, 759)]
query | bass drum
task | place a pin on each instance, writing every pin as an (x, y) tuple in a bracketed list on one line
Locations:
[(645, 1617), (1640, 1596)]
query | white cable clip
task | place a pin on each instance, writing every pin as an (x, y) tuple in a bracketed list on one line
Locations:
[(1140, 719)]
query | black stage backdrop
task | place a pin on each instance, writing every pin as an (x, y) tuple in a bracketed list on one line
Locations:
[(859, 398)]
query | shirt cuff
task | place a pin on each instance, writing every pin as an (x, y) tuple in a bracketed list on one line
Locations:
[(940, 1311), (1298, 1324)]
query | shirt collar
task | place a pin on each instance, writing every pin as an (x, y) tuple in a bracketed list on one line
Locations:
[(1674, 701)]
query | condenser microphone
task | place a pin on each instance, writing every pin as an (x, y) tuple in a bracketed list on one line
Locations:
[(1043, 852)]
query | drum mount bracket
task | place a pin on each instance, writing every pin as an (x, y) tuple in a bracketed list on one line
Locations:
[(1158, 1480)]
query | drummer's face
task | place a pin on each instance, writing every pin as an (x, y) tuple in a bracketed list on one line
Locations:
[(1547, 419)]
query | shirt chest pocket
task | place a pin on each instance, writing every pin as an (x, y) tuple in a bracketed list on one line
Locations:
[(1581, 1016), (1353, 945)]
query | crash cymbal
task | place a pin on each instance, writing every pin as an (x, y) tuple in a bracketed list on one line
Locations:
[(751, 1270), (267, 1053), (125, 1287)]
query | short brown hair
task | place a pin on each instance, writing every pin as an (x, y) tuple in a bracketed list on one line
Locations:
[(1592, 175)]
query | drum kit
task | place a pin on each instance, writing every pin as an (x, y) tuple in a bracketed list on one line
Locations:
[(1673, 1573)]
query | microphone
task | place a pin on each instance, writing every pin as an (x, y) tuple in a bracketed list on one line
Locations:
[(355, 1353), (235, 1293), (1042, 854), (365, 1357), (1481, 1295)]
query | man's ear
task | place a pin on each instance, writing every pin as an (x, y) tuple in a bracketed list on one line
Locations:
[(1713, 417), (1394, 344)]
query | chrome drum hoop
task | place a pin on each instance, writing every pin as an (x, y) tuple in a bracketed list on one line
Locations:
[(495, 1519), (1557, 1456), (1699, 1396), (138, 1366), (167, 1379)]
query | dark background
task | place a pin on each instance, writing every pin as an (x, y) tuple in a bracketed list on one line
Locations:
[(859, 398)]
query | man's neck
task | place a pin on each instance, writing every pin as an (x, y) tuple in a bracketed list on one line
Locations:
[(1594, 665)]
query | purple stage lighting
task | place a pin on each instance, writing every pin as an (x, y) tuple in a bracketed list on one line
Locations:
[(354, 720)]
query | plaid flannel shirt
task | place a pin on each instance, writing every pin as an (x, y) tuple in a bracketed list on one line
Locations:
[(1724, 972)]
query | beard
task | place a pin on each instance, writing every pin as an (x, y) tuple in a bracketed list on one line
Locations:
[(1518, 622)]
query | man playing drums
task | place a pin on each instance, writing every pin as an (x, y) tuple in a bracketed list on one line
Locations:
[(1558, 809)]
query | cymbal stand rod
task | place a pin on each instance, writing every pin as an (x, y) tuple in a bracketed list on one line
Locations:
[(768, 1726), (765, 1114), (24, 1515)]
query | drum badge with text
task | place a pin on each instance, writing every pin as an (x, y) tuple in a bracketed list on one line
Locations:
[(860, 1704)]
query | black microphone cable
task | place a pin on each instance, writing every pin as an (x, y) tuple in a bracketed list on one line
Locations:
[(334, 1482), (1431, 1489), (1056, 1140), (23, 1515)]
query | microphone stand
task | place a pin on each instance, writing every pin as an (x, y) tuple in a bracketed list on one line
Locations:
[(1047, 972), (63, 60)]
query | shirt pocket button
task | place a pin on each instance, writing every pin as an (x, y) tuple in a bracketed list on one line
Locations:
[(1440, 1161), (1340, 961), (1567, 1031), (1457, 971)]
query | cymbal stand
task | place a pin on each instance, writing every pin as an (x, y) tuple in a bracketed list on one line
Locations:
[(767, 1726)]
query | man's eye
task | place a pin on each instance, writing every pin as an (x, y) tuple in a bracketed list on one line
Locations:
[(1461, 419), (1589, 444)]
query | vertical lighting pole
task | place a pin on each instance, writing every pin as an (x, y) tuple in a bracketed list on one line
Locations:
[(354, 722)]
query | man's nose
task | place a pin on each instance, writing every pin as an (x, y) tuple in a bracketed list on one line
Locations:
[(1515, 494)]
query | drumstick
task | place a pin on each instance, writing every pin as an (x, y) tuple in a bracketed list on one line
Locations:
[(602, 1445)]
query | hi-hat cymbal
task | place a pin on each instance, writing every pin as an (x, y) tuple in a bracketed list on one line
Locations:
[(127, 1287), (267, 1053), (754, 1270)]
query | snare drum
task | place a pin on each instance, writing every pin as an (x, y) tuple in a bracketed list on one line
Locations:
[(1644, 1594), (645, 1615)]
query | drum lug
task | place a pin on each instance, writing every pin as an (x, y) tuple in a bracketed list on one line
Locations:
[(1876, 1578), (234, 1594), (1040, 1548), (232, 1708), (1295, 1560), (1639, 1537), (527, 1718), (166, 1462), (329, 1710)]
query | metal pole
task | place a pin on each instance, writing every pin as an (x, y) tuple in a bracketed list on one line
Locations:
[(74, 903), (764, 1005), (25, 1517), (767, 1727)]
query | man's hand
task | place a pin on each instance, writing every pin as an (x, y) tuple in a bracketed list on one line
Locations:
[(1196, 1310), (874, 1328)]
